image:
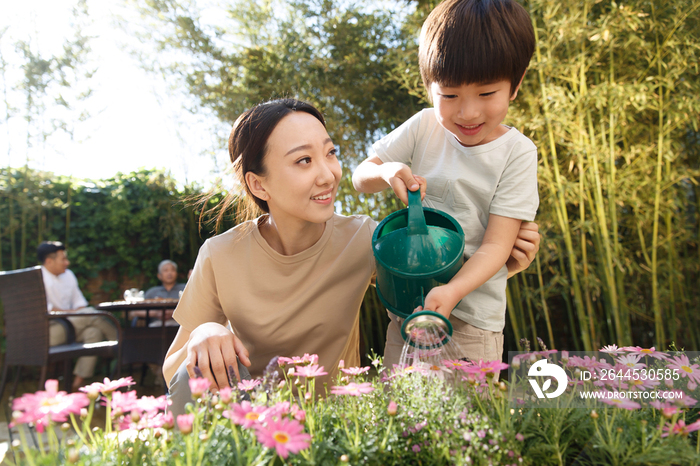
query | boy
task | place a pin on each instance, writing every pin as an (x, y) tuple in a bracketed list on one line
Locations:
[(473, 55)]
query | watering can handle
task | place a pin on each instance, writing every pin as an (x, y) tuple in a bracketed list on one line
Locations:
[(416, 217)]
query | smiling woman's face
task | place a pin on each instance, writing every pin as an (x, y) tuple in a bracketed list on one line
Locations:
[(302, 171)]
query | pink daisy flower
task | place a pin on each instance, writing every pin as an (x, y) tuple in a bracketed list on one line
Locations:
[(151, 404), (184, 423), (437, 371), (354, 389), (310, 371), (680, 428), (121, 403), (666, 408), (226, 394), (198, 386), (285, 436), (575, 361), (279, 410), (646, 352), (296, 360), (248, 385), (108, 386), (593, 363), (631, 361), (685, 369), (355, 370), (612, 349), (457, 364), (678, 397), (47, 406), (489, 368), (641, 384), (623, 403), (245, 414)]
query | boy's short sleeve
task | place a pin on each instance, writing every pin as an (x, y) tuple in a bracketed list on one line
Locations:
[(400, 144), (516, 195)]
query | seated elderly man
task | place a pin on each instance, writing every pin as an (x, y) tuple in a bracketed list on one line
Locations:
[(169, 289), (64, 295)]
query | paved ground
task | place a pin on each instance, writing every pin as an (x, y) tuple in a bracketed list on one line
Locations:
[(28, 384)]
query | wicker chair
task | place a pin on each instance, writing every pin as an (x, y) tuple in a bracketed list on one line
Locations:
[(27, 330)]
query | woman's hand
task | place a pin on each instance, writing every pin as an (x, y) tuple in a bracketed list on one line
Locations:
[(213, 348), (525, 248)]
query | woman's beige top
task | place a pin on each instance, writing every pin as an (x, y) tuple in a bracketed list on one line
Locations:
[(285, 305)]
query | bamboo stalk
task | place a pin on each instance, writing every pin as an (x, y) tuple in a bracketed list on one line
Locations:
[(530, 313), (512, 316), (622, 334), (69, 198), (560, 205), (659, 337), (543, 302), (612, 197), (13, 252), (23, 220)]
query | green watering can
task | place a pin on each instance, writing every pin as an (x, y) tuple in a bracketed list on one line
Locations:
[(416, 249)]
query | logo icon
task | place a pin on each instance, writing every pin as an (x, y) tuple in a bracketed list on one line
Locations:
[(542, 368)]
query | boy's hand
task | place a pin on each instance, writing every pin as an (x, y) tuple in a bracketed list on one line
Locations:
[(525, 248), (404, 179), (373, 175), (441, 299)]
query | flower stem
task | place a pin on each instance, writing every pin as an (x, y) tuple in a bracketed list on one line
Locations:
[(79, 431)]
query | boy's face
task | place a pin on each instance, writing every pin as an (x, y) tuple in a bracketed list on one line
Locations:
[(473, 112)]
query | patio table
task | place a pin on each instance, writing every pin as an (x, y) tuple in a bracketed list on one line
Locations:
[(144, 344)]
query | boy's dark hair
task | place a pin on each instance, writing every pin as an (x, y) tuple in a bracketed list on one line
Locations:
[(476, 41), (47, 248)]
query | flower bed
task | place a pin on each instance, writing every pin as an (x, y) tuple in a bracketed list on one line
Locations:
[(422, 414)]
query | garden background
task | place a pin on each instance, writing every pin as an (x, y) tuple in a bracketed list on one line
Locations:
[(610, 99)]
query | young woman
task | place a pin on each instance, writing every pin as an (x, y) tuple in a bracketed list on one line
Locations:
[(291, 281)]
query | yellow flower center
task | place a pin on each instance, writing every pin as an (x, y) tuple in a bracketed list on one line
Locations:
[(647, 351), (687, 369), (485, 369), (281, 437), (434, 368), (251, 416)]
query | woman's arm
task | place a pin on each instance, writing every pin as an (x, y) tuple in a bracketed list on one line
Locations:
[(212, 348)]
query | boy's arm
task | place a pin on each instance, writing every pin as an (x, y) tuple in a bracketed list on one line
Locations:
[(493, 253), (525, 248), (373, 175)]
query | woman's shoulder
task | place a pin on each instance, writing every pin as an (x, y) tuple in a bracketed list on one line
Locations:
[(238, 234), (353, 222)]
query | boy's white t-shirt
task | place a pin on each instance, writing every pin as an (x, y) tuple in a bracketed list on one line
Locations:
[(470, 183)]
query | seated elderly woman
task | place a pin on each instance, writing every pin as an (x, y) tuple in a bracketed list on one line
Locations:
[(292, 280)]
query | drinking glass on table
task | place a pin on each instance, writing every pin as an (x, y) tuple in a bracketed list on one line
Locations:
[(133, 295)]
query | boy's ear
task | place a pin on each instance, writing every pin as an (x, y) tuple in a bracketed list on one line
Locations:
[(517, 88), (255, 186)]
